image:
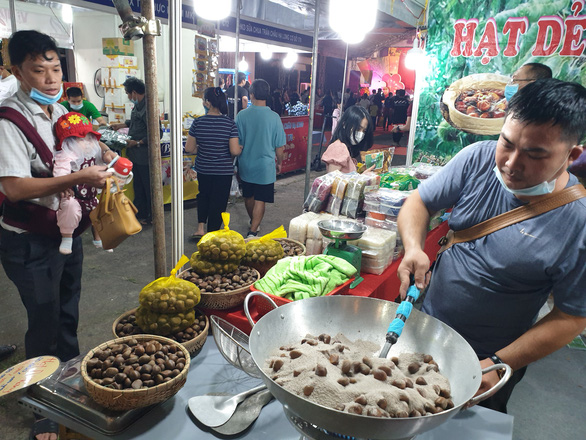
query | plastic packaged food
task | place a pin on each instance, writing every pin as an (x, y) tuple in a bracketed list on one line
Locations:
[(317, 199), (298, 226), (264, 249), (380, 158), (313, 246), (424, 171), (381, 224)]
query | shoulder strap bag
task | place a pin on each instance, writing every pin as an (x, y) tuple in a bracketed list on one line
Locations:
[(30, 216), (525, 212), (115, 217)]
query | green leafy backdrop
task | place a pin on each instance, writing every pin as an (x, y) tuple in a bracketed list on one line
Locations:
[(434, 135)]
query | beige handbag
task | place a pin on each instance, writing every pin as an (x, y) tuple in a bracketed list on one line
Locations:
[(525, 212), (115, 217)]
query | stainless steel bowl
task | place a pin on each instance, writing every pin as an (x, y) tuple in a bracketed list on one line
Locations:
[(341, 229)]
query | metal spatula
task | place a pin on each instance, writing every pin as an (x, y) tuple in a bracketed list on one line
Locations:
[(396, 327), (214, 411)]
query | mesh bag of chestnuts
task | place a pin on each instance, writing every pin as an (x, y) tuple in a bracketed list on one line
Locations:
[(265, 249), (167, 304), (222, 245)]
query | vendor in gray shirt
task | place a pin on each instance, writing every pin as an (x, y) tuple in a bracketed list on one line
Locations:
[(137, 147), (491, 289)]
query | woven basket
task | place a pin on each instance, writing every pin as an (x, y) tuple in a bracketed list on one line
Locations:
[(223, 300), (124, 400), (191, 346)]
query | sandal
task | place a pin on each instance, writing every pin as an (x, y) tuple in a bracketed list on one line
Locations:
[(44, 426), (6, 351), (196, 236)]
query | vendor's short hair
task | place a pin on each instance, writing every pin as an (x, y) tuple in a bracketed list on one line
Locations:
[(539, 71), (552, 101), (73, 92), (260, 89), (133, 84), (349, 122), (241, 77), (23, 44)]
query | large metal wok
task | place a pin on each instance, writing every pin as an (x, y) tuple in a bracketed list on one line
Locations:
[(368, 319)]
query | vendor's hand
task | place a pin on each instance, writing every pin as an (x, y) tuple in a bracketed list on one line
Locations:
[(131, 143), (489, 379), (117, 126), (417, 263), (67, 194), (95, 176)]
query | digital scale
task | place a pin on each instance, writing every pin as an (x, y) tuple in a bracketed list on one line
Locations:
[(63, 393), (341, 231)]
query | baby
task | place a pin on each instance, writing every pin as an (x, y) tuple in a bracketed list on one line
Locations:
[(78, 147)]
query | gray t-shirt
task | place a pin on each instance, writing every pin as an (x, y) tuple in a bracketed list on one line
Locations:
[(490, 290)]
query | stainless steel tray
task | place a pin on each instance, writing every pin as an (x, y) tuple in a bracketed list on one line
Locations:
[(64, 391)]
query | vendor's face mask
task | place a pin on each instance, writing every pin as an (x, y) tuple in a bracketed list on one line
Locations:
[(76, 106), (43, 98), (537, 190)]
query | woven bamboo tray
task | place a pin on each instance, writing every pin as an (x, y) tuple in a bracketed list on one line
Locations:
[(192, 346), (123, 400), (223, 300)]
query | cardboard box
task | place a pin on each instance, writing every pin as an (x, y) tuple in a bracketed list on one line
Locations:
[(117, 46), (127, 62), (116, 98), (115, 76), (116, 116)]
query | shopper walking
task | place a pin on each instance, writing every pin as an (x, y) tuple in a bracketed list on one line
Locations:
[(137, 148), (354, 133), (214, 138), (364, 102), (262, 138)]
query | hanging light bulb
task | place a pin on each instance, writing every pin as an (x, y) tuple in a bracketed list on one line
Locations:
[(415, 58), (266, 53), (67, 13), (243, 65), (290, 60), (213, 11), (343, 19)]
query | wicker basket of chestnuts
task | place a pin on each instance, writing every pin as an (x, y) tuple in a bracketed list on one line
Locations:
[(193, 337), (135, 371), (222, 291)]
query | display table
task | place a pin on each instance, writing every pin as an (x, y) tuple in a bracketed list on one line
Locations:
[(384, 286), (210, 373)]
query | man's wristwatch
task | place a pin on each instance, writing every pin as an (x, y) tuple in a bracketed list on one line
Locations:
[(497, 360)]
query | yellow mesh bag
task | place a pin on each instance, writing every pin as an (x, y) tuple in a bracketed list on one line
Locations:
[(222, 245), (265, 249), (170, 294), (163, 324)]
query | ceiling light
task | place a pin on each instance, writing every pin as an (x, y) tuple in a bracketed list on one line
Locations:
[(243, 65), (290, 60), (344, 21), (67, 13), (213, 11), (415, 58), (266, 54)]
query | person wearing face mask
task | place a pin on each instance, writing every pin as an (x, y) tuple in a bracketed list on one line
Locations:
[(526, 74), (49, 283), (353, 134), (76, 103), (491, 288), (137, 147)]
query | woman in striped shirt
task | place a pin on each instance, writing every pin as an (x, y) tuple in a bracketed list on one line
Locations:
[(214, 137)]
